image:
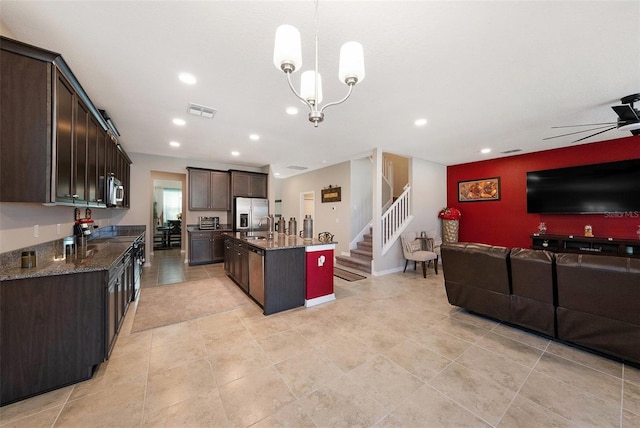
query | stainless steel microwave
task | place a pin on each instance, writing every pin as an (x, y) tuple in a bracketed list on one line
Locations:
[(114, 192)]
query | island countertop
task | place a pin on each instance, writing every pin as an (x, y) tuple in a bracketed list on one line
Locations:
[(278, 242)]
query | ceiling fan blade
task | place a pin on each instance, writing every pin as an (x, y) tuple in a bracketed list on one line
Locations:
[(586, 124), (626, 113), (579, 132), (584, 138)]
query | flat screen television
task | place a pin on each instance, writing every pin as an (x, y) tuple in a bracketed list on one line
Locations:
[(588, 189)]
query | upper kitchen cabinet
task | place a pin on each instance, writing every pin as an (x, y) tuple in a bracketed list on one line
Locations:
[(54, 142), (208, 190), (248, 184)]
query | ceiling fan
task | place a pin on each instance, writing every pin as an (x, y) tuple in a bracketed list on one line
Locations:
[(628, 120)]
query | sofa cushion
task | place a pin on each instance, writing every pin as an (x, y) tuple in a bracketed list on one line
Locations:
[(532, 274), (480, 265)]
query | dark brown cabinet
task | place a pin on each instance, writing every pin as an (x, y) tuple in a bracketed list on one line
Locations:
[(52, 331), (206, 247), (52, 136), (248, 184), (208, 190)]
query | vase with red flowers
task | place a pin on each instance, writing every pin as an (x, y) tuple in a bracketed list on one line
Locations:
[(450, 223)]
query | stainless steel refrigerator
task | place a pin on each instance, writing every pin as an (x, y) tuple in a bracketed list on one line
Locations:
[(250, 214)]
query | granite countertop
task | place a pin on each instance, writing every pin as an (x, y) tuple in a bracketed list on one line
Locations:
[(101, 253), (279, 241)]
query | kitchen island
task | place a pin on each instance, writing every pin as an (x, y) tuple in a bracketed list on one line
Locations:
[(274, 271)]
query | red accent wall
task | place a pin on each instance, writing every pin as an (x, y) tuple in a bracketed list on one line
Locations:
[(506, 222)]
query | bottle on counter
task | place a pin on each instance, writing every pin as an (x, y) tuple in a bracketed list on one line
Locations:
[(293, 227)]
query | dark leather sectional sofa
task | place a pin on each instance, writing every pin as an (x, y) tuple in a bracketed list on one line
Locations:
[(589, 300)]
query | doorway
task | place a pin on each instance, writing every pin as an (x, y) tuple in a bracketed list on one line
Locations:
[(307, 205), (168, 210)]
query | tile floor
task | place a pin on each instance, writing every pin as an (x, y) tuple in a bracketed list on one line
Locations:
[(389, 352)]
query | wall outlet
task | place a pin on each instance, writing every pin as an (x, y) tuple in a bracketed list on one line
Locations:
[(58, 229), (36, 230)]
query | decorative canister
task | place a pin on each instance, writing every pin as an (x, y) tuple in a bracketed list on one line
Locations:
[(450, 230), (293, 227), (307, 227)]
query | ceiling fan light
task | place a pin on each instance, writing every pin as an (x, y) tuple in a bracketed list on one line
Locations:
[(287, 51), (308, 87), (351, 63)]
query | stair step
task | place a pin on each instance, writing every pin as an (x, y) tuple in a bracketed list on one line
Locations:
[(366, 246), (367, 237), (354, 263), (361, 254)]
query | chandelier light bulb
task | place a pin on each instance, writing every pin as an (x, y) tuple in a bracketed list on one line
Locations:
[(351, 70), (308, 87), (287, 51)]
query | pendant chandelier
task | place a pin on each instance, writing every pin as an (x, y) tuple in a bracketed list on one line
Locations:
[(287, 56)]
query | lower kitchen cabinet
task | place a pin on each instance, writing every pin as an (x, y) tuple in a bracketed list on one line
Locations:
[(206, 247), (52, 332)]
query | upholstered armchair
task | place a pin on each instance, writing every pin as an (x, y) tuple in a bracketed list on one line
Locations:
[(412, 249)]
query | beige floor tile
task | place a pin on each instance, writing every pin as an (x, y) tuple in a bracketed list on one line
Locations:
[(631, 398), (121, 406), (385, 381), (169, 355), (377, 337), (572, 403), (132, 345), (266, 326), (482, 396), (252, 398), (291, 415), (525, 337), (630, 420), (117, 372), (610, 367), (631, 374), (24, 408), (346, 352), (218, 322), (174, 333), (514, 350), (320, 332), (525, 413), (282, 346), (226, 338), (594, 382), (342, 403), (417, 359), (506, 372), (429, 408), (233, 363), (474, 319), (308, 371), (461, 329), (43, 419), (443, 343), (200, 411), (178, 384)]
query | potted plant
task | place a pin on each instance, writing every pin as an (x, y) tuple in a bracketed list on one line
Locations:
[(450, 223)]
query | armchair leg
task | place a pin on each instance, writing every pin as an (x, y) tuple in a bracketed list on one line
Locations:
[(436, 264), (405, 266), (424, 269)]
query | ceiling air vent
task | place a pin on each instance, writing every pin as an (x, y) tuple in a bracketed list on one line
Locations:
[(507, 152), (299, 168), (200, 110)]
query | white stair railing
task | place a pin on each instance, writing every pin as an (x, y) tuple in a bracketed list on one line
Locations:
[(396, 219), (387, 184)]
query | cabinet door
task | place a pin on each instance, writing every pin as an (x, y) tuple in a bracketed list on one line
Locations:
[(228, 256), (220, 200), (200, 248), (218, 247), (80, 137), (258, 186), (92, 162), (241, 184), (199, 190), (64, 142)]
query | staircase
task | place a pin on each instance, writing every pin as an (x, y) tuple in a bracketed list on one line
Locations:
[(361, 256)]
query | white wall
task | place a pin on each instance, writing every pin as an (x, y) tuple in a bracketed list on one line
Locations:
[(333, 217), (361, 195)]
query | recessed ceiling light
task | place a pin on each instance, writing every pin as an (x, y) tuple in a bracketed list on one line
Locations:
[(254, 137), (234, 153), (174, 144), (187, 78), (179, 122), (292, 110), (420, 122), (485, 151)]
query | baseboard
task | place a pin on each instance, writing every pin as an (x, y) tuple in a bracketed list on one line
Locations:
[(319, 300)]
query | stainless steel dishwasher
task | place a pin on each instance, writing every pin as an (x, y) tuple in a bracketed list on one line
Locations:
[(256, 274)]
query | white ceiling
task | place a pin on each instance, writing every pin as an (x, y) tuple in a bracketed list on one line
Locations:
[(495, 74)]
